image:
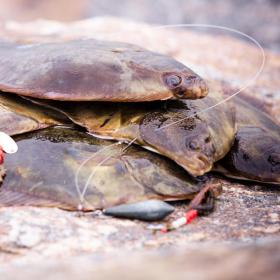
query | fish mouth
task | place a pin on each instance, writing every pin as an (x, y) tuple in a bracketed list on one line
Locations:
[(186, 86), (196, 87), (196, 165), (192, 87)]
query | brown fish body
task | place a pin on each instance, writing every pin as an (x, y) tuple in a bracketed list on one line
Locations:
[(247, 114), (18, 116), (44, 170), (195, 142), (255, 154), (12, 123), (96, 71)]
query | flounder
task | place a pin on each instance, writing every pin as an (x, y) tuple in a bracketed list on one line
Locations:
[(50, 162), (255, 154), (194, 142), (97, 71)]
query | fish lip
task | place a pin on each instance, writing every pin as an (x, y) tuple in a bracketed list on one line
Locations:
[(195, 88), (185, 85), (196, 165), (192, 87)]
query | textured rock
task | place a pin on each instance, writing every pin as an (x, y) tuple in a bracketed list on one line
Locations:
[(209, 261), (27, 233), (243, 212)]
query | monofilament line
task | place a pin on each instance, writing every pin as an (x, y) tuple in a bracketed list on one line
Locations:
[(248, 83), (86, 186), (82, 193)]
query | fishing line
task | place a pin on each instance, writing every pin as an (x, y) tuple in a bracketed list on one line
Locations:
[(82, 193), (248, 84), (217, 27), (118, 153), (102, 162)]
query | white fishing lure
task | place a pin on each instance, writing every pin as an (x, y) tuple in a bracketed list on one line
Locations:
[(8, 145)]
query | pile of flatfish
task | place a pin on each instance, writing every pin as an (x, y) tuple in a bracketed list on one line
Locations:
[(101, 123)]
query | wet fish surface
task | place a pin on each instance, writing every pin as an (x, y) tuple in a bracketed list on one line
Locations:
[(255, 154), (49, 162), (97, 71), (194, 142)]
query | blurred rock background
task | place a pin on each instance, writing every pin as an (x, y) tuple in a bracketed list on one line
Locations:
[(258, 18)]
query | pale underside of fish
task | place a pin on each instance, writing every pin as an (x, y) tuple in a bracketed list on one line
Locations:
[(65, 168)]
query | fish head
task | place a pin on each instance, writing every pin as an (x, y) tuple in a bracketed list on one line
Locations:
[(187, 142), (273, 159), (259, 154), (199, 150), (185, 85), (163, 74), (255, 155)]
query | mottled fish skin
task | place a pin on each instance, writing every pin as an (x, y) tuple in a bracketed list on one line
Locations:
[(18, 116), (97, 71), (42, 173), (194, 143), (255, 154)]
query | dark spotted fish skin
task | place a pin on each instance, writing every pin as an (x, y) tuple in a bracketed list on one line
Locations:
[(195, 143), (255, 154), (42, 173), (96, 71)]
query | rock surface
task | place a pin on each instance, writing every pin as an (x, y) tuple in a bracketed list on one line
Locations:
[(207, 261), (243, 212)]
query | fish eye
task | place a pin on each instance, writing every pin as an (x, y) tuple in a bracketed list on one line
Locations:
[(207, 139), (274, 159), (173, 80), (194, 145), (245, 156)]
